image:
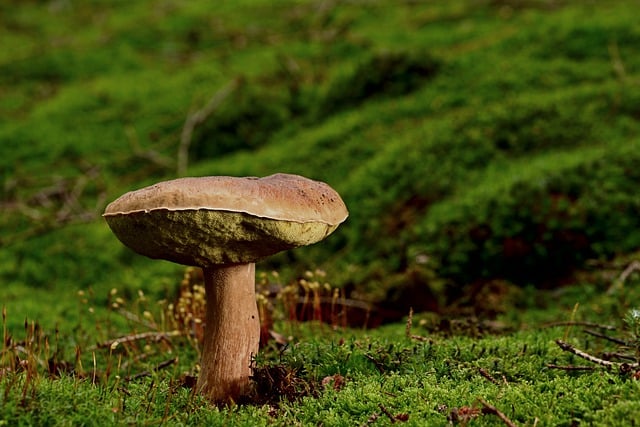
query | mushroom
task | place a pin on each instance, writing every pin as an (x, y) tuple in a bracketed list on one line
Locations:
[(224, 225)]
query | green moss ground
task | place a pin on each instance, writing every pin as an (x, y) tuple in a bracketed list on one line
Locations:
[(329, 376)]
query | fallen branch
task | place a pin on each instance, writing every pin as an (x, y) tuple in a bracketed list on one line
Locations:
[(570, 367), (619, 283), (586, 324), (60, 202), (135, 318), (611, 355), (199, 117), (606, 363), (387, 413), (488, 376), (153, 336), (377, 364), (605, 337), (158, 367), (372, 419), (149, 154), (490, 409)]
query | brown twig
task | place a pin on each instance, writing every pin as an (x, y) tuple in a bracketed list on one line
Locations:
[(372, 419), (606, 363), (58, 203), (606, 337), (410, 325), (149, 154), (198, 117), (490, 409), (488, 376), (377, 364), (619, 282), (407, 330), (575, 323), (387, 413), (136, 319), (611, 355), (153, 336), (158, 367), (570, 367)]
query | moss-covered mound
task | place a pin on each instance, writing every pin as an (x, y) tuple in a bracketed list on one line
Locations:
[(470, 140)]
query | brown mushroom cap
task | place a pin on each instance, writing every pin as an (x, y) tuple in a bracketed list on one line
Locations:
[(221, 220)]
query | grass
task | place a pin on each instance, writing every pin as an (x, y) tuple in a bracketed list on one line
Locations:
[(485, 150), (430, 369)]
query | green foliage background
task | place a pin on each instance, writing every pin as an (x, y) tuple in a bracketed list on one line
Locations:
[(494, 139)]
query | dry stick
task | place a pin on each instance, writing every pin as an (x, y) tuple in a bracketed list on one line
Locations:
[(570, 367), (372, 419), (587, 324), (409, 323), (606, 363), (488, 376), (65, 192), (160, 366), (150, 154), (72, 196), (610, 355), (155, 336), (135, 318), (618, 284), (197, 118), (634, 266), (408, 328), (490, 409), (387, 413), (377, 364), (606, 337)]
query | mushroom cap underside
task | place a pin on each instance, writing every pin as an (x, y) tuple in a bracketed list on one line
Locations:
[(205, 238), (225, 220)]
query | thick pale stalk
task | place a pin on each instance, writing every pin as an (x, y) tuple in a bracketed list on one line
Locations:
[(232, 333)]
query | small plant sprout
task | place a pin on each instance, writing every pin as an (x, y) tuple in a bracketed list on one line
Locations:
[(632, 321), (224, 225)]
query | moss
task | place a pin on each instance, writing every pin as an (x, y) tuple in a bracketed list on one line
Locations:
[(536, 224)]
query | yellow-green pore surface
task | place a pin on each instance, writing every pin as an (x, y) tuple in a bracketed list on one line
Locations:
[(211, 237)]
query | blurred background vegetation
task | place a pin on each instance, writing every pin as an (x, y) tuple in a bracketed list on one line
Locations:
[(472, 141)]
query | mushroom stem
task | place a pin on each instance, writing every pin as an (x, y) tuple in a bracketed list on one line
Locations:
[(232, 333)]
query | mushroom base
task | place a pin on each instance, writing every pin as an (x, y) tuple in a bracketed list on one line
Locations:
[(232, 333)]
